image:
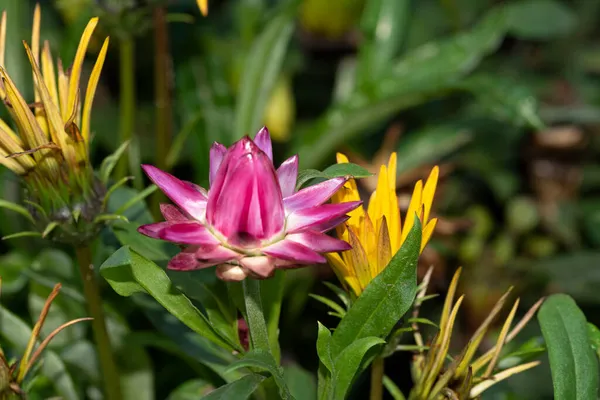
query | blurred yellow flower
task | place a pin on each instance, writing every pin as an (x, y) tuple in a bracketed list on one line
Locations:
[(376, 233), (203, 6)]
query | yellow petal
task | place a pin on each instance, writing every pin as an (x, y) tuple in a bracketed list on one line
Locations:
[(76, 69), (393, 219), (35, 46), (392, 171), (10, 134), (91, 91), (203, 6), (413, 208), (49, 74), (384, 248), (2, 37), (11, 163), (427, 232), (358, 260), (341, 269), (51, 111), (429, 192), (63, 91), (341, 158)]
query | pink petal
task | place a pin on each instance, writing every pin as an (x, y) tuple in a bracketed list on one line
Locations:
[(313, 195), (292, 251), (317, 216), (328, 225), (153, 230), (187, 198), (172, 213), (215, 254), (217, 153), (183, 261), (263, 141), (287, 173), (318, 242), (261, 266), (187, 233), (248, 207)]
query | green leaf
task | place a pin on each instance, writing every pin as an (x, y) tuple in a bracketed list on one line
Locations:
[(530, 19), (394, 390), (326, 365), (109, 163), (330, 303), (264, 361), (594, 334), (333, 171), (505, 99), (17, 208), (272, 295), (349, 364), (17, 333), (301, 383), (430, 145), (128, 272), (261, 70), (385, 299), (190, 390), (574, 366), (384, 24), (421, 74), (152, 249), (240, 389)]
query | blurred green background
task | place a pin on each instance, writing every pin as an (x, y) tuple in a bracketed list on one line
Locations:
[(503, 95)]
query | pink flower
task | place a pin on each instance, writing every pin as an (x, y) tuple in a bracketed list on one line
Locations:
[(252, 220)]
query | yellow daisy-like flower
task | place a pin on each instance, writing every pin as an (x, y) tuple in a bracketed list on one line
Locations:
[(377, 233), (203, 6), (49, 146)]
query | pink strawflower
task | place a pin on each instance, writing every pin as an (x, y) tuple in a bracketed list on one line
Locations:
[(252, 220)]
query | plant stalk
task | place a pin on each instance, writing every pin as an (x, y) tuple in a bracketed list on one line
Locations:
[(377, 379), (162, 97), (127, 100), (108, 367), (256, 317)]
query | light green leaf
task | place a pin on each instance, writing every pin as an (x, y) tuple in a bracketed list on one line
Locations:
[(128, 272), (263, 360), (385, 299), (190, 390), (109, 163), (394, 390), (17, 333), (572, 361), (240, 389), (594, 334), (301, 383), (418, 76), (261, 70), (324, 346), (272, 295), (17, 208), (530, 19), (349, 364)]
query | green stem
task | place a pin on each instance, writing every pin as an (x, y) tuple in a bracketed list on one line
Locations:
[(377, 379), (161, 96), (127, 99), (256, 317), (112, 384)]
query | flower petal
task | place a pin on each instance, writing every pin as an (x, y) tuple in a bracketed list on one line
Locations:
[(187, 233), (183, 261), (330, 224), (318, 242), (262, 266), (216, 254), (153, 230), (313, 195), (291, 251), (187, 198), (317, 216), (217, 153), (248, 207), (172, 213), (287, 173), (263, 141), (231, 273)]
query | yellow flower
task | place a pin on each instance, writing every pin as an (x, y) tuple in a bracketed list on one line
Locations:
[(51, 141), (203, 6), (377, 233)]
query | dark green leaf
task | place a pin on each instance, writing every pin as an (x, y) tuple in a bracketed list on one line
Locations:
[(128, 272), (261, 70), (349, 364), (530, 19), (333, 171), (574, 366), (240, 389), (384, 24), (263, 360), (421, 74), (324, 346), (190, 390), (385, 299)]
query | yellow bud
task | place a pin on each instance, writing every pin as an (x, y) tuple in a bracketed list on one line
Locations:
[(280, 111)]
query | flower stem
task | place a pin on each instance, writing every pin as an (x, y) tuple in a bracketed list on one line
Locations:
[(377, 379), (127, 99), (256, 317), (112, 384), (162, 96)]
